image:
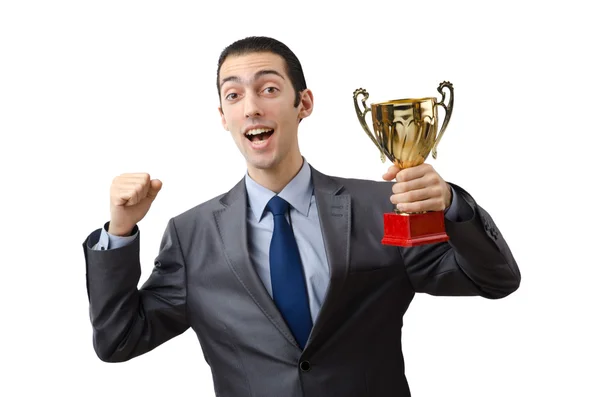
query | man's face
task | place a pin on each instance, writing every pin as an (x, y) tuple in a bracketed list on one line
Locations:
[(257, 107)]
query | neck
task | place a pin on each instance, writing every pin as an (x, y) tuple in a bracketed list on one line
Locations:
[(276, 178)]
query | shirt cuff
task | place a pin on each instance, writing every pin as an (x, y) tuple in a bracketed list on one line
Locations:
[(110, 241)]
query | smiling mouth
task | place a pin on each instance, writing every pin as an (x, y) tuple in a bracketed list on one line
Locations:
[(259, 134)]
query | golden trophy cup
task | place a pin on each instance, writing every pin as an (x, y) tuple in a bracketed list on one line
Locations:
[(406, 131)]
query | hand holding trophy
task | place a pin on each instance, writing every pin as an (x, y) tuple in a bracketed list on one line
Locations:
[(406, 131)]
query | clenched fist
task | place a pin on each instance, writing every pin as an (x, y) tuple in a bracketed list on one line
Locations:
[(418, 189), (130, 198)]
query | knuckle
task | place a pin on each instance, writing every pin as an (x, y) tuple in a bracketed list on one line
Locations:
[(412, 207), (399, 187), (442, 204)]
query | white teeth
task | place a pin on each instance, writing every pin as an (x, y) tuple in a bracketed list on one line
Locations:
[(257, 131)]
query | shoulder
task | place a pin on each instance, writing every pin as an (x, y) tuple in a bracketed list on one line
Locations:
[(368, 194), (206, 209), (355, 186), (365, 194), (360, 185)]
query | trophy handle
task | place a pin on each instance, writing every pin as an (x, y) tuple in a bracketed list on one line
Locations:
[(362, 115), (448, 112)]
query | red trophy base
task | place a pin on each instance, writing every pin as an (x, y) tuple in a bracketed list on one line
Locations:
[(410, 230)]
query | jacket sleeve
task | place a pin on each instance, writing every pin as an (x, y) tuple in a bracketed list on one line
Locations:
[(127, 321), (475, 262)]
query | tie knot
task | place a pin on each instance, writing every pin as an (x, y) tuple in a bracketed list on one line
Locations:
[(278, 206)]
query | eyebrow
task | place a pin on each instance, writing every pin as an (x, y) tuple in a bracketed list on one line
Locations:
[(257, 75)]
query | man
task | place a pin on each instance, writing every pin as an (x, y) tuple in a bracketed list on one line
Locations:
[(284, 278)]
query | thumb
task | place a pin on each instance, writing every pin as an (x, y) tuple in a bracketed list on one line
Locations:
[(155, 186), (391, 173)]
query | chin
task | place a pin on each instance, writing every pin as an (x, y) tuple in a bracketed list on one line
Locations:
[(262, 163)]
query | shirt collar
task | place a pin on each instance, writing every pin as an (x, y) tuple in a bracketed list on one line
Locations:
[(297, 192)]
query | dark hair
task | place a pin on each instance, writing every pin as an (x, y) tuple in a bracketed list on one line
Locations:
[(266, 44)]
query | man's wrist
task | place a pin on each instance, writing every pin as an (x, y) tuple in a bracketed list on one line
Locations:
[(119, 231)]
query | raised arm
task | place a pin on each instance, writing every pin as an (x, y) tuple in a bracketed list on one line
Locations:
[(128, 321)]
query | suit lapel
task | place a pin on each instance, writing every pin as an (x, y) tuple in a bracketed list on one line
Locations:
[(233, 230), (335, 217), (334, 209)]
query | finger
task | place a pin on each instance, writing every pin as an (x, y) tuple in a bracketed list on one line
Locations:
[(136, 175), (133, 178), (141, 192), (432, 204), (143, 187), (414, 196), (119, 201), (415, 184), (155, 186), (408, 174), (391, 173), (138, 191), (128, 189), (131, 193), (128, 181), (122, 197), (120, 193)]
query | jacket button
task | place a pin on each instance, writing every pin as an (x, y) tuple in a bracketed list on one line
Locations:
[(305, 366)]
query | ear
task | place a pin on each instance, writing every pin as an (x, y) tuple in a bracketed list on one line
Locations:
[(306, 104), (223, 122)]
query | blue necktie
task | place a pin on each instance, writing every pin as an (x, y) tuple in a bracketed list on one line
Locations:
[(287, 275)]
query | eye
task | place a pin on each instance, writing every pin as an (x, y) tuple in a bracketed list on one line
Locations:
[(270, 90), (231, 96)]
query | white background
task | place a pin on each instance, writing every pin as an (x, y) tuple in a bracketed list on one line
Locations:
[(89, 90)]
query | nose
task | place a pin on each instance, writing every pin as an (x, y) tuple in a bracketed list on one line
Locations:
[(251, 107)]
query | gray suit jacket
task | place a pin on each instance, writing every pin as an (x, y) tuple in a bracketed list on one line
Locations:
[(203, 279)]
